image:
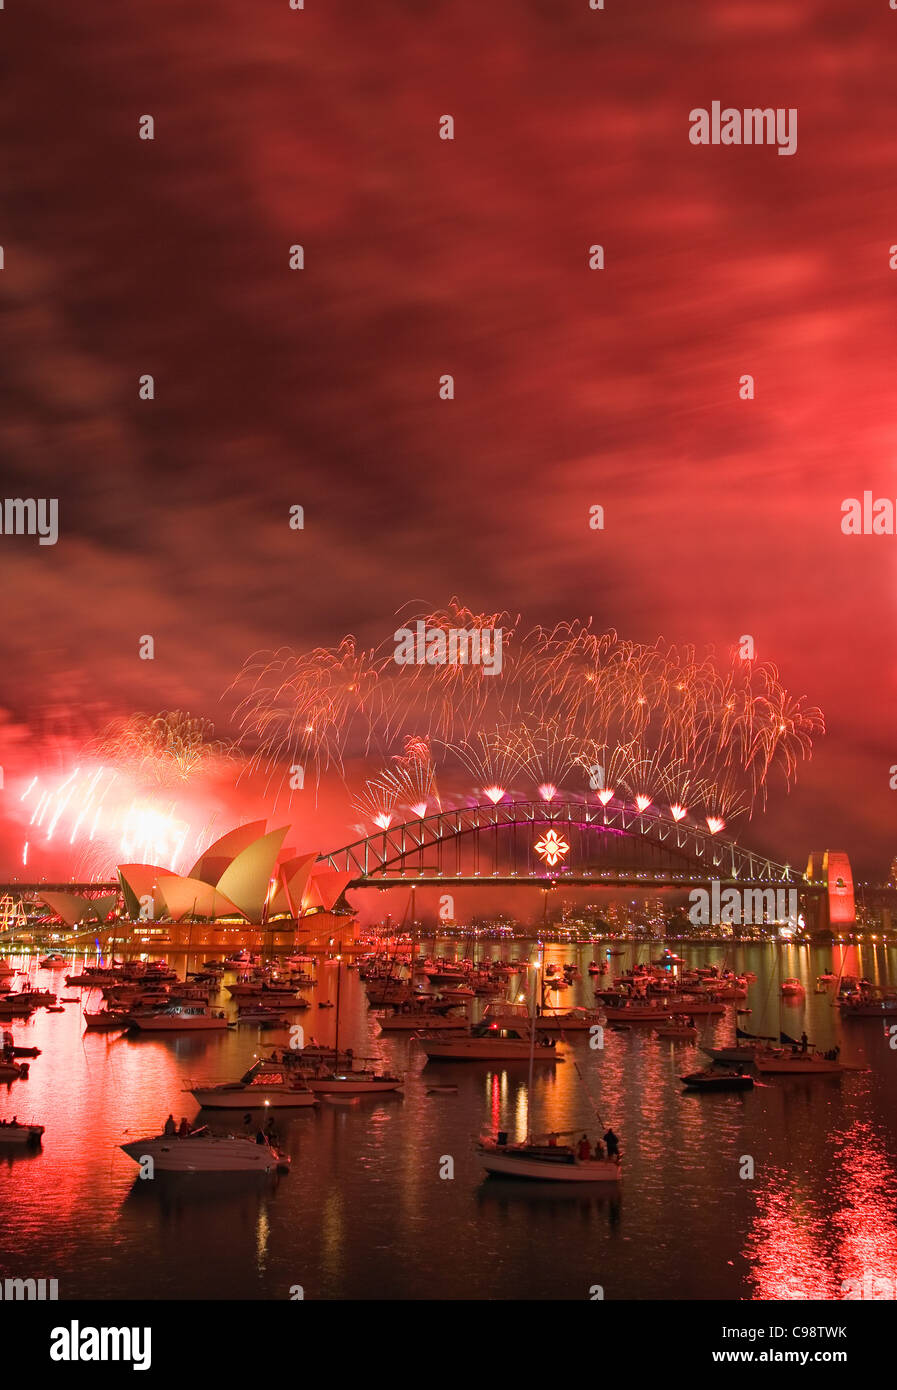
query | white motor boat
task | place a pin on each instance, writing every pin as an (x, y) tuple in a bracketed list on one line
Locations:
[(264, 1084), (546, 1163), (22, 1135), (178, 1018), (202, 1152)]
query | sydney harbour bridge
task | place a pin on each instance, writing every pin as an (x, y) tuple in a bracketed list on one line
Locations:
[(544, 844)]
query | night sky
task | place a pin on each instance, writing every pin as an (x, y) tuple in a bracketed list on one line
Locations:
[(422, 257)]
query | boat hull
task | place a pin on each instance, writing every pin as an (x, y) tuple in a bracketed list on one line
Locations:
[(207, 1155), (20, 1135), (800, 1065), (252, 1098), (463, 1050), (353, 1086), (510, 1165), (177, 1024)]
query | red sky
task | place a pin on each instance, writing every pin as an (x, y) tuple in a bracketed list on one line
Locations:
[(423, 257)]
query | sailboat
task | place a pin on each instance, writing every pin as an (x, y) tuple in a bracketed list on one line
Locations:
[(333, 1081), (541, 1157)]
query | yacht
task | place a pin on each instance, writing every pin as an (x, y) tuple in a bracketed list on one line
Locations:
[(179, 1018), (265, 1084), (421, 1013), (202, 1152)]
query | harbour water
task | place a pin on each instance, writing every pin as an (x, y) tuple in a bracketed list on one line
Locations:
[(372, 1209)]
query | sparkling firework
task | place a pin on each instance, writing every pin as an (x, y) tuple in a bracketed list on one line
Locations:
[(592, 713)]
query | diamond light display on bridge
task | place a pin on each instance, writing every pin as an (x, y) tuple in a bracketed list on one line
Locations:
[(551, 847)]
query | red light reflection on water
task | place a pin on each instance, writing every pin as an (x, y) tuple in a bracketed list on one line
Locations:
[(841, 1242)]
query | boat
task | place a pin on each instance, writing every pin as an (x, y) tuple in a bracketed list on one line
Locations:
[(352, 1082), (488, 1042), (51, 962), (713, 1080), (22, 1135), (280, 994), (540, 1157), (418, 1013), (10, 1049), (14, 1008), (575, 1020), (545, 1161), (105, 1018), (262, 1017), (265, 1084), (10, 1070), (792, 986), (179, 1018), (794, 1062), (203, 1152), (869, 1003), (336, 1080), (685, 1032), (696, 1006), (632, 1012)]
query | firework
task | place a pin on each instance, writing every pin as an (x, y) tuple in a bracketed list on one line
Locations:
[(593, 713)]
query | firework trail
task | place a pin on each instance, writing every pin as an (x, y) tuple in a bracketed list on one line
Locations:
[(666, 726)]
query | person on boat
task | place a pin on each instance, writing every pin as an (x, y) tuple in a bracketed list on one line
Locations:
[(613, 1144), (552, 1141), (260, 1136), (599, 1151), (584, 1149), (183, 1128), (803, 1042), (170, 1126)]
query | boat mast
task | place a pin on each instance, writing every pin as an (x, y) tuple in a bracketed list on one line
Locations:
[(339, 973), (532, 1046)]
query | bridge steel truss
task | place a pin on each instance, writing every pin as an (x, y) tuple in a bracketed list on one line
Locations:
[(607, 846)]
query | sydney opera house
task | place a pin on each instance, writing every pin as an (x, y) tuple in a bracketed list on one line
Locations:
[(246, 888)]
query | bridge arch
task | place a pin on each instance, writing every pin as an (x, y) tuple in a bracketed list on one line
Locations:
[(605, 845)]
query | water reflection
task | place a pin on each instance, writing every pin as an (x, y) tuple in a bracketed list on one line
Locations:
[(366, 1213)]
